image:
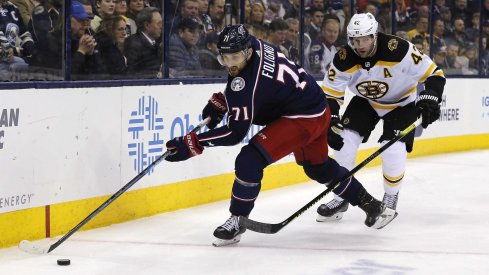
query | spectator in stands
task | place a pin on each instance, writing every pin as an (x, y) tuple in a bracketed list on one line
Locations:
[(257, 26), (183, 53), (421, 44), (16, 32), (318, 5), (462, 11), (205, 18), (439, 4), (142, 51), (275, 10), (469, 59), (414, 8), (458, 35), (26, 7), (292, 39), (105, 8), (188, 8), (12, 67), (44, 18), (121, 10), (453, 51), (485, 10), (277, 33), (421, 29), (85, 59), (316, 22), (134, 7), (110, 42), (216, 12), (247, 10), (473, 32), (440, 57), (208, 56), (484, 56), (323, 48), (292, 11), (446, 16), (335, 7), (438, 30)]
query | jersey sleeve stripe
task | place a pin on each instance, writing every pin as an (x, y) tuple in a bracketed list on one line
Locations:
[(440, 73), (216, 136), (383, 106), (332, 92), (353, 69), (339, 100), (428, 72), (410, 91), (387, 63)]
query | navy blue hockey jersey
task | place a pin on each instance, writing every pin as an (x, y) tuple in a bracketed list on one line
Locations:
[(269, 87)]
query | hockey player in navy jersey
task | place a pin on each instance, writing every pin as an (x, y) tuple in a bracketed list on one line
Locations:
[(265, 88), (382, 71)]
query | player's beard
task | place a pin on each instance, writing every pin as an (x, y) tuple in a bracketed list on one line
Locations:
[(235, 70)]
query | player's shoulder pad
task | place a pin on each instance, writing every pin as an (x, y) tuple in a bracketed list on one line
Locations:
[(345, 58), (391, 48)]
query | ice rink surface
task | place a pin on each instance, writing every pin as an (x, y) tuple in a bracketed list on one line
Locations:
[(442, 228)]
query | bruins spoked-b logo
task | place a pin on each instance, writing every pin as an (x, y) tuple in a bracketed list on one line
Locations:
[(372, 89)]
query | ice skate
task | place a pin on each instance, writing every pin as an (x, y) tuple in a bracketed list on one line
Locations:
[(378, 215), (228, 233), (332, 211), (390, 201)]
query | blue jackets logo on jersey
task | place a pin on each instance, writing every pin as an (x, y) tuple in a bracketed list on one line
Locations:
[(237, 84)]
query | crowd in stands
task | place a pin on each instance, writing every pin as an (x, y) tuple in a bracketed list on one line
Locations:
[(122, 39)]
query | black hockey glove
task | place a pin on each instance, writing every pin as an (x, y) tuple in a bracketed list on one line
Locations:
[(428, 107), (215, 109), (184, 147), (335, 140)]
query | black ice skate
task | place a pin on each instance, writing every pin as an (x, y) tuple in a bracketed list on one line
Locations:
[(378, 215), (228, 233), (390, 201), (332, 211)]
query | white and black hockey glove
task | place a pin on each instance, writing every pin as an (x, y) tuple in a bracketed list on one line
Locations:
[(428, 104)]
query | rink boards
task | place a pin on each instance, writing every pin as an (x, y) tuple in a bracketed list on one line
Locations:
[(65, 151)]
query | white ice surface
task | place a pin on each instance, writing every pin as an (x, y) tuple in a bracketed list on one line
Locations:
[(442, 228)]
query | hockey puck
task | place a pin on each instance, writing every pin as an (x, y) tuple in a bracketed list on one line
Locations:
[(64, 261)]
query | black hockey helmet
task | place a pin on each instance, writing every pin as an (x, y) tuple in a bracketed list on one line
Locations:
[(233, 38)]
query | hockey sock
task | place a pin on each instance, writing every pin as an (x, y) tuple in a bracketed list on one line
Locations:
[(249, 167)]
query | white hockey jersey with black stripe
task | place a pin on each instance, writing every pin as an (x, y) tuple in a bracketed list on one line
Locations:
[(387, 80)]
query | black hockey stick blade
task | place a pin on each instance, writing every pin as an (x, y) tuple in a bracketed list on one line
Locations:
[(32, 248), (272, 228)]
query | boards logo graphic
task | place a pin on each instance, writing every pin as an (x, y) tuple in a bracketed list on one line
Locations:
[(8, 118), (485, 106), (145, 128)]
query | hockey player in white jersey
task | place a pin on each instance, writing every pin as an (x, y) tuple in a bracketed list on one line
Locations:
[(382, 71)]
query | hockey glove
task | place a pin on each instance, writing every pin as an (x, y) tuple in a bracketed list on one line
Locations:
[(183, 148), (335, 140), (215, 109), (428, 107)]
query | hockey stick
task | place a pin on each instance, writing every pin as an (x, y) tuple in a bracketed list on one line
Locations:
[(269, 228), (30, 247)]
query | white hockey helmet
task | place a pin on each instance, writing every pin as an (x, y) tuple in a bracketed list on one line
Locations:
[(362, 24)]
